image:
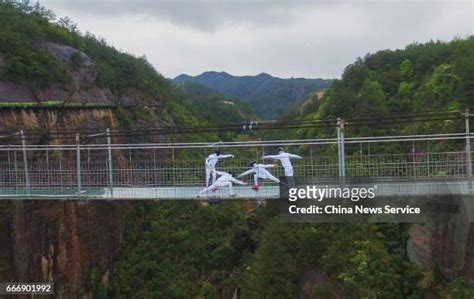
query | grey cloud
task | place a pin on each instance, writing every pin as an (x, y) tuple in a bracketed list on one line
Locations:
[(213, 15), (205, 15), (284, 38)]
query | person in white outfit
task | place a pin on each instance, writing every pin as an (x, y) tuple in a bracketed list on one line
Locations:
[(225, 180), (211, 162), (260, 172), (284, 159)]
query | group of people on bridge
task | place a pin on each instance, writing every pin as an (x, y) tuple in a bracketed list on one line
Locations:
[(259, 171)]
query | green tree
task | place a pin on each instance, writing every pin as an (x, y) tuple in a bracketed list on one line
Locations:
[(272, 273), (371, 99), (406, 69), (180, 250)]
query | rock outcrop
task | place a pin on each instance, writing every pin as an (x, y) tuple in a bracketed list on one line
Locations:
[(61, 242), (80, 67), (64, 242), (52, 119), (446, 239), (13, 92), (83, 71)]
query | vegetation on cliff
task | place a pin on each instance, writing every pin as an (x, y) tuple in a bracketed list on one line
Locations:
[(22, 29)]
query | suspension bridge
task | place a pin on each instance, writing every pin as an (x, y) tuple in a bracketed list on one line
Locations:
[(399, 165)]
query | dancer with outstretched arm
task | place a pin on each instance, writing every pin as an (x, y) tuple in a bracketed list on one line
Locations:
[(285, 161), (260, 172), (211, 162)]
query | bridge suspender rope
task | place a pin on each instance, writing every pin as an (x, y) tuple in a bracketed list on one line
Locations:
[(341, 151), (339, 148), (25, 162), (109, 155), (78, 166), (468, 149)]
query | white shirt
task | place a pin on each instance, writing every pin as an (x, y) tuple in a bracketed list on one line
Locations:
[(258, 169), (285, 161), (212, 159)]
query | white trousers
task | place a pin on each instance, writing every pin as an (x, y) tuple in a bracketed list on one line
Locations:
[(218, 185), (210, 172), (264, 175), (288, 170)]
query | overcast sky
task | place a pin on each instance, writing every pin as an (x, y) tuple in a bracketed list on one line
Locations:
[(283, 38)]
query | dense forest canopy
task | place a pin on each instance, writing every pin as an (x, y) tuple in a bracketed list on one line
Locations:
[(435, 76)]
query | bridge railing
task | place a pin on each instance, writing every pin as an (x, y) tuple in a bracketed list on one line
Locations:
[(53, 169)]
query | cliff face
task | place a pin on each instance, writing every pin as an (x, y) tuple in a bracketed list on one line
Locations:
[(51, 119), (64, 242), (446, 239)]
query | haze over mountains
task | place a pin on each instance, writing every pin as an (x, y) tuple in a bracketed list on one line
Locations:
[(270, 97)]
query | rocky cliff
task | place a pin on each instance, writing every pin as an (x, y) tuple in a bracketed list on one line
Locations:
[(54, 119), (64, 242), (83, 87), (446, 239)]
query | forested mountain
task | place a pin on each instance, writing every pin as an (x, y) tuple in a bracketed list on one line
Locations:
[(269, 96), (434, 76)]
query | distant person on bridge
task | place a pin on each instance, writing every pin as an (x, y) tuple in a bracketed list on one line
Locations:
[(211, 162), (286, 163), (225, 180), (260, 172)]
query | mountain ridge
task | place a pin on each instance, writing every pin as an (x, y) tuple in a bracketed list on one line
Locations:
[(269, 96), (262, 74)]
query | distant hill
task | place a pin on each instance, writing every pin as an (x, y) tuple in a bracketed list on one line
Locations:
[(270, 97), (211, 105)]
